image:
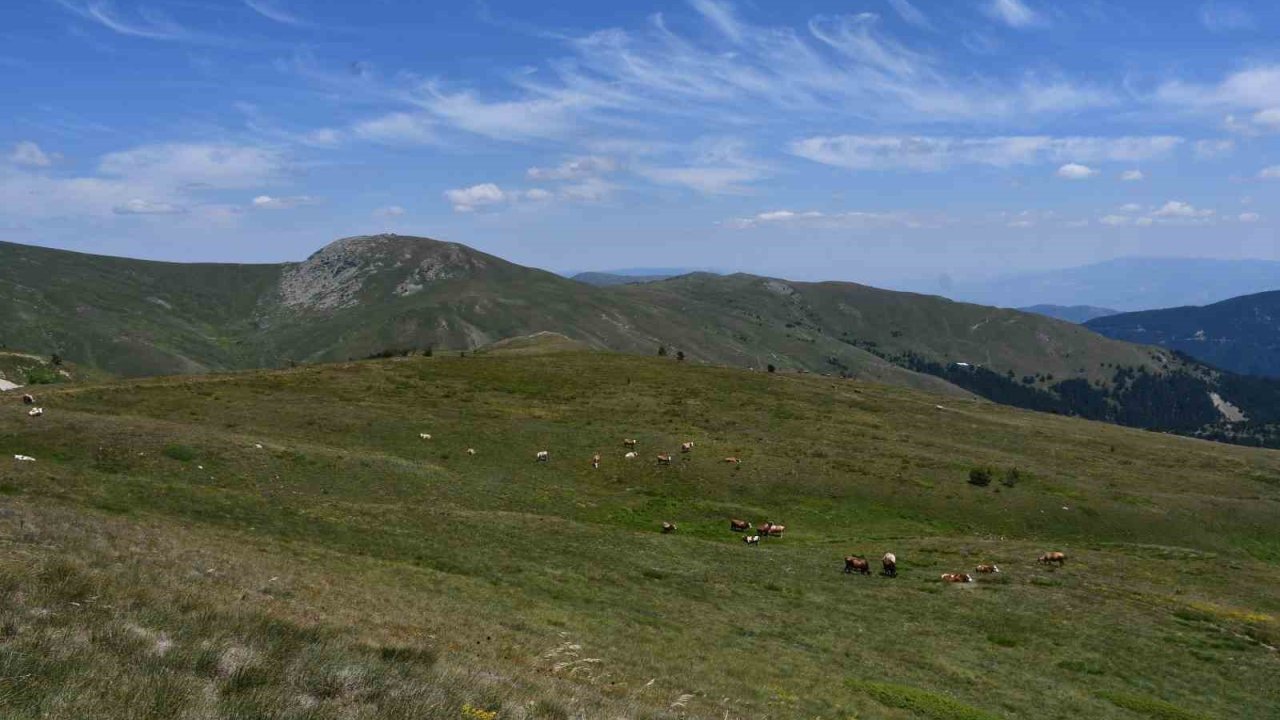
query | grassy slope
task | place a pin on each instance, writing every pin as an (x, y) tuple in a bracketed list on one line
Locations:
[(349, 569)]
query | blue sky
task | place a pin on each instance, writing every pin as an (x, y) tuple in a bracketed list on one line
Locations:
[(879, 140)]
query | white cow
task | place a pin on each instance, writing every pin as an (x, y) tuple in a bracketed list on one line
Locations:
[(471, 451), (36, 412), (542, 456), (631, 455), (24, 458), (425, 436)]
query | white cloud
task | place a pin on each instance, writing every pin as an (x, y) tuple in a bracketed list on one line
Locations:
[(590, 190), (1144, 222), (1013, 13), (1254, 90), (149, 23), (272, 11), (268, 202), (29, 154), (538, 195), (195, 165), (721, 16), (1115, 220), (1179, 209), (138, 206), (1132, 176), (813, 219), (910, 13), (1214, 149), (1076, 171), (389, 211), (575, 169), (1131, 208), (470, 199), (708, 180), (1268, 119), (878, 152), (1225, 17), (398, 129), (1270, 173), (1249, 217)]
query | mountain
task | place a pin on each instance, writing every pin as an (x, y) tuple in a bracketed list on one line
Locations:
[(1128, 284), (1241, 334), (1078, 314), (603, 279), (389, 294), (282, 544)]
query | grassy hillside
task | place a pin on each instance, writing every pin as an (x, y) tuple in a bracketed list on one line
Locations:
[(1241, 335), (283, 544)]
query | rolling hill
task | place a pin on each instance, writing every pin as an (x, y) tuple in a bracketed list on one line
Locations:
[(1241, 334), (1078, 314), (604, 279), (283, 544), (388, 294)]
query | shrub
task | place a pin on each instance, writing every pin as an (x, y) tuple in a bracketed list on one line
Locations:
[(772, 368), (1150, 707), (41, 376), (181, 453), (1013, 476), (981, 476), (662, 351)]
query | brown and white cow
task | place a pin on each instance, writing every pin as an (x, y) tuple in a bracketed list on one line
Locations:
[(471, 451), (595, 461), (28, 400), (774, 530), (987, 569), (739, 525), (686, 447), (732, 460), (542, 456), (889, 565), (957, 578), (664, 459), (751, 539), (628, 442), (855, 564), (1051, 558), (668, 527)]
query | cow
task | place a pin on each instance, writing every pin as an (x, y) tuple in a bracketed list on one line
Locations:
[(28, 400), (24, 458), (668, 527), (664, 459), (631, 455), (771, 530), (889, 565), (751, 539), (471, 451), (986, 569), (628, 442), (595, 461), (35, 412), (424, 436), (732, 460), (1051, 558), (854, 564), (957, 578), (542, 456), (739, 525), (686, 446)]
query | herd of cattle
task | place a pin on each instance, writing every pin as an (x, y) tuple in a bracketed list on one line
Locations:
[(852, 563)]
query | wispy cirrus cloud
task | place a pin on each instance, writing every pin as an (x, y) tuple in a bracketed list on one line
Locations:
[(1014, 13), (932, 153), (273, 11), (825, 220), (1221, 17), (144, 22), (275, 202), (29, 154), (910, 13)]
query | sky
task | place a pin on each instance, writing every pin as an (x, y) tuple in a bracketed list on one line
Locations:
[(881, 141)]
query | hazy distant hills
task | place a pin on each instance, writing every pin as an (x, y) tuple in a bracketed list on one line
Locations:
[(604, 279), (1128, 284), (1241, 334), (367, 295), (1070, 313)]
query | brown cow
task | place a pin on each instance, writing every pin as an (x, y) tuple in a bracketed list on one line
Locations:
[(732, 460), (855, 564), (1050, 558), (986, 569), (28, 400), (629, 443), (776, 530), (957, 578), (664, 459), (889, 565), (668, 527), (686, 447), (595, 460), (739, 525)]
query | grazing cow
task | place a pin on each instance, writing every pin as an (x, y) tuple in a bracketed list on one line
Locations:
[(1051, 558), (686, 447), (668, 527), (36, 412), (751, 539), (629, 443), (24, 458), (631, 455), (28, 400), (595, 461), (732, 460), (542, 456), (664, 459), (425, 436), (471, 451), (854, 564), (771, 530), (889, 565), (739, 525), (986, 569), (957, 578)]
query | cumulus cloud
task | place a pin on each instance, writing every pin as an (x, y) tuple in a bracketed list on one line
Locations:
[(138, 206), (1013, 13), (1249, 217), (1214, 149), (575, 169), (268, 202), (884, 152), (1179, 209), (29, 154), (1249, 96), (1132, 176), (1076, 171), (470, 199)]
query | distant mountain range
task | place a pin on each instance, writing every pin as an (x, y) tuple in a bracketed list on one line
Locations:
[(1127, 284), (1070, 313), (604, 279), (1241, 334), (387, 294)]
